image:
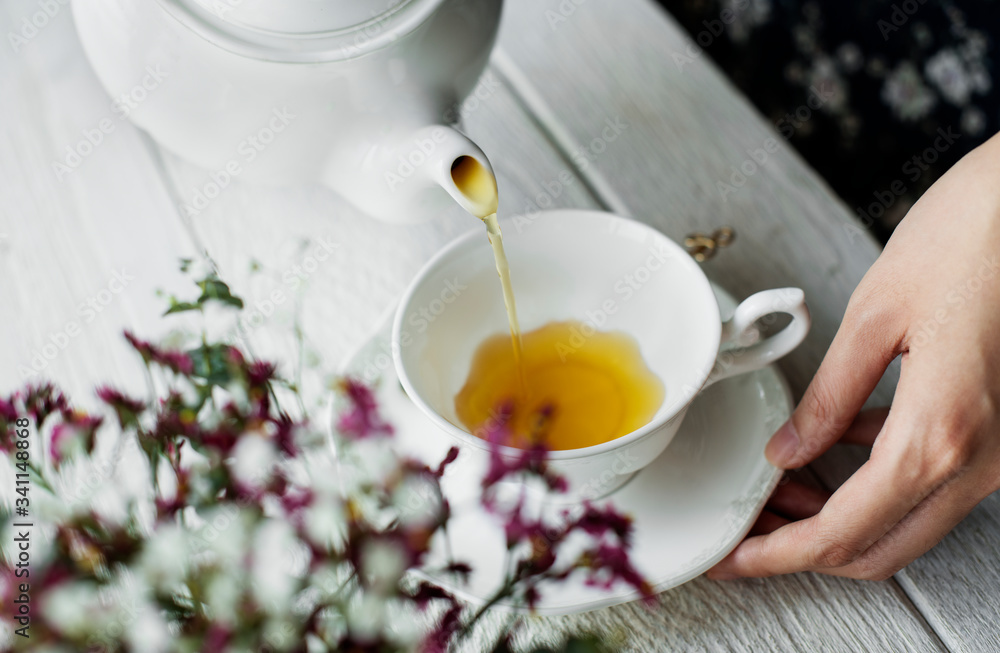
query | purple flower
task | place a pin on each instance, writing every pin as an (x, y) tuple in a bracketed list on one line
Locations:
[(530, 461), (173, 421), (606, 564), (220, 439), (126, 408), (259, 373), (440, 637), (599, 521), (531, 597), (427, 592), (362, 420), (43, 400), (216, 639), (293, 500), (451, 456), (166, 508), (285, 435), (8, 412), (177, 361), (76, 428), (8, 416), (460, 569)]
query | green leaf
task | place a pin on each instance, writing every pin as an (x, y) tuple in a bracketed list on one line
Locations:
[(212, 288), (181, 307), (211, 362)]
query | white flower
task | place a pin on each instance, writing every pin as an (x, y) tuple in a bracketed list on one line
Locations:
[(131, 473), (973, 121), (922, 35), (975, 46), (383, 564), (164, 559), (148, 631), (75, 607), (371, 459), (223, 537), (905, 92), (253, 461), (277, 634), (111, 505), (222, 595), (405, 629), (947, 72), (316, 645), (804, 38), (794, 72), (747, 14), (190, 394), (416, 501), (366, 616), (824, 77), (326, 523), (273, 561), (980, 78), (876, 66), (49, 508), (850, 57)]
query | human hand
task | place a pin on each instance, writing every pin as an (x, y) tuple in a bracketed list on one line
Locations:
[(932, 297)]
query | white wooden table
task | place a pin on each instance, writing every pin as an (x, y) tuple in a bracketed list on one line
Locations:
[(561, 71)]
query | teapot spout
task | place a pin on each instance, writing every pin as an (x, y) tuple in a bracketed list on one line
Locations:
[(417, 177), (465, 173)]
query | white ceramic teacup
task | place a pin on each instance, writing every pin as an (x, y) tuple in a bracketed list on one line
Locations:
[(609, 272)]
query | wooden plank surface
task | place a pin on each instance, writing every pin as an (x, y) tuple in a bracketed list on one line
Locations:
[(81, 251), (62, 241)]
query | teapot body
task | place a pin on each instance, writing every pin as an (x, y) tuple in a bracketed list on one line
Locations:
[(339, 112)]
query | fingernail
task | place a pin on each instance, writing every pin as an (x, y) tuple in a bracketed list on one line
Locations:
[(783, 445), (721, 575)]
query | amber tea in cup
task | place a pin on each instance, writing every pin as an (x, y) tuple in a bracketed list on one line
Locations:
[(582, 387)]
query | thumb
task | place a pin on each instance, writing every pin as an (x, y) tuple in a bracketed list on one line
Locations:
[(861, 351)]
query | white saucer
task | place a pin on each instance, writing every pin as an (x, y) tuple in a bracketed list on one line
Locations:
[(691, 506)]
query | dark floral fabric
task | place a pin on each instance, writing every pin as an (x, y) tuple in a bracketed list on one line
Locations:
[(906, 87)]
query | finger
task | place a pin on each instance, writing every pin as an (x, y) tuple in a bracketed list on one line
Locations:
[(768, 522), (877, 497), (791, 500), (794, 500), (856, 360), (866, 427), (914, 535)]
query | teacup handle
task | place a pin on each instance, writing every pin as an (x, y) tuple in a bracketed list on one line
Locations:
[(744, 355)]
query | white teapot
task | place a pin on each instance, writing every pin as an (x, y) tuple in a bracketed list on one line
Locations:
[(353, 94)]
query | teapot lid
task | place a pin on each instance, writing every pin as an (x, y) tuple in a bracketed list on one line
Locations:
[(301, 30), (299, 16)]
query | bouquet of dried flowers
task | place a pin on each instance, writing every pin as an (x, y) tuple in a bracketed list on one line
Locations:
[(201, 514)]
